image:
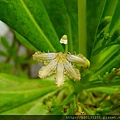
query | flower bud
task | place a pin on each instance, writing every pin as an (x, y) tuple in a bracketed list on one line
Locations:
[(64, 40), (117, 71), (105, 21)]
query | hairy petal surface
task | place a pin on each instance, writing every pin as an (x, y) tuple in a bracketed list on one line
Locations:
[(74, 73), (39, 56), (59, 79), (77, 59), (47, 70)]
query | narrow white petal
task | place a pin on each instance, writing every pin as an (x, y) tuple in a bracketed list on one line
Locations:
[(80, 60), (47, 70), (44, 56), (74, 73), (60, 74), (87, 62)]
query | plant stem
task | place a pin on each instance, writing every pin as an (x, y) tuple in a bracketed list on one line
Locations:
[(102, 47), (70, 43), (66, 48), (82, 26)]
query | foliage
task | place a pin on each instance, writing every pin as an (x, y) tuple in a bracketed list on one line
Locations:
[(93, 29)]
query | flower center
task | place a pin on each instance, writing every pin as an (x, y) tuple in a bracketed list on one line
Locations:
[(61, 56)]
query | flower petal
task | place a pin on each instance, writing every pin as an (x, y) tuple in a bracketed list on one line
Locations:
[(48, 69), (74, 73), (39, 56), (87, 61), (60, 74), (80, 60)]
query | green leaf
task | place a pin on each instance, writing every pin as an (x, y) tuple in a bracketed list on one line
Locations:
[(15, 91), (30, 19), (32, 108), (24, 42), (4, 42), (109, 8)]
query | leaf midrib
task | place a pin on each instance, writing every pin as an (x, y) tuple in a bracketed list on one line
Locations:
[(37, 26)]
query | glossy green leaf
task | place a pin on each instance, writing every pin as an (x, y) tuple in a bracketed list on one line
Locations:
[(24, 42), (109, 8), (35, 107), (30, 19), (15, 91)]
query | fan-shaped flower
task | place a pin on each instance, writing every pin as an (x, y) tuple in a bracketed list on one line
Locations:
[(61, 64)]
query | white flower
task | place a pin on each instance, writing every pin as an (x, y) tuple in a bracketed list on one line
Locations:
[(60, 63)]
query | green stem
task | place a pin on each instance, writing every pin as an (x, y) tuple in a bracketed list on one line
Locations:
[(70, 43), (66, 48), (110, 77), (102, 47), (82, 27)]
